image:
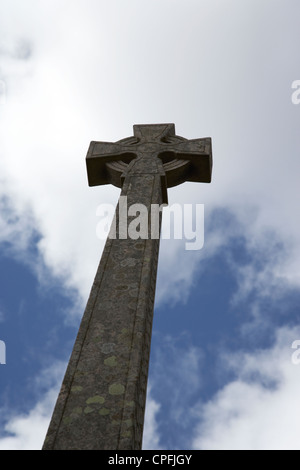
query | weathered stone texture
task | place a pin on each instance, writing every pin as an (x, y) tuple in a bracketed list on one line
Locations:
[(101, 404)]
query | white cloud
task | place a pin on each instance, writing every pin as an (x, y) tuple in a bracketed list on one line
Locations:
[(27, 431), (151, 434), (259, 409), (73, 87)]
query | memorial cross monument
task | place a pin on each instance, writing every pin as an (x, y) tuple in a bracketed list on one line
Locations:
[(102, 400)]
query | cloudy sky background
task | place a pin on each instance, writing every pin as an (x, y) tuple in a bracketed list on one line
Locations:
[(221, 373)]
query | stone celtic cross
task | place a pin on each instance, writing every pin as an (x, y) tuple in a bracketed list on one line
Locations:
[(102, 400)]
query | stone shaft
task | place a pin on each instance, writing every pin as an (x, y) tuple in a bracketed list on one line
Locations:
[(102, 400)]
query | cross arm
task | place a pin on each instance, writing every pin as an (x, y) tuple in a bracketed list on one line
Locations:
[(193, 156), (99, 155)]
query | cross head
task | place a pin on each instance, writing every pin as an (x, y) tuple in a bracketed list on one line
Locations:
[(182, 159)]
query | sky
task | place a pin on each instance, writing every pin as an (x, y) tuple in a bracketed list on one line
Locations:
[(224, 369)]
